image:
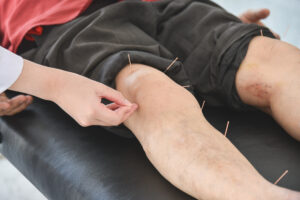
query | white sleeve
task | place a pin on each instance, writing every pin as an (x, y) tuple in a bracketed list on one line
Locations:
[(11, 66)]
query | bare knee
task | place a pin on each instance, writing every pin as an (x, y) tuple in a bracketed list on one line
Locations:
[(163, 104), (153, 89), (267, 67), (136, 77), (145, 86)]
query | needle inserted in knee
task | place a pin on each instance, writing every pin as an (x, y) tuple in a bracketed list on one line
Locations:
[(283, 175), (171, 64), (261, 32), (203, 104), (226, 130), (129, 60)]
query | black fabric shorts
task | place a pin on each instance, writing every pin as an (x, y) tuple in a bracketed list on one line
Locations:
[(209, 42)]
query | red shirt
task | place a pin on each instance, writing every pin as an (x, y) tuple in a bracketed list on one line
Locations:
[(20, 17), (17, 17)]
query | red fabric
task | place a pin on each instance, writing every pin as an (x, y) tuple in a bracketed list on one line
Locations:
[(34, 31), (18, 17), (23, 18)]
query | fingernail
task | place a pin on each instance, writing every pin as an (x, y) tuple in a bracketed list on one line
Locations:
[(28, 100), (135, 106), (127, 102)]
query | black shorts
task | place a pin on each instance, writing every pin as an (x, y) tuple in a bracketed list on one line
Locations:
[(209, 42)]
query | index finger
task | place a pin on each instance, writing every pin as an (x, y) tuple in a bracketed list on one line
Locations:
[(257, 15), (113, 117), (115, 96)]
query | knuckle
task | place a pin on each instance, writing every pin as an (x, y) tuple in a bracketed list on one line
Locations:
[(119, 94), (117, 122), (84, 123), (91, 113), (107, 89)]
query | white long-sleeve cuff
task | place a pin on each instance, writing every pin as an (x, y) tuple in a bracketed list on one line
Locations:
[(11, 66)]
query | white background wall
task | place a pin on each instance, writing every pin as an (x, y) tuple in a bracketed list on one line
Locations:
[(284, 18)]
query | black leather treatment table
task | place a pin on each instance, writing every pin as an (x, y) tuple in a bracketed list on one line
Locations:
[(68, 162)]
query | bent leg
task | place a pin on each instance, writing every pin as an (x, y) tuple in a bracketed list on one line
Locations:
[(183, 146), (269, 78)]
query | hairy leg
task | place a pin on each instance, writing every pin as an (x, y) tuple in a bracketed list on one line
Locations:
[(184, 147), (269, 78)]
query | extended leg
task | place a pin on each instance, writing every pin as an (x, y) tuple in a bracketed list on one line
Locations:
[(184, 147), (269, 78)]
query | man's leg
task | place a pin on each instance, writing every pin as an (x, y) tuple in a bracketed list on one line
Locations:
[(184, 147), (269, 78)]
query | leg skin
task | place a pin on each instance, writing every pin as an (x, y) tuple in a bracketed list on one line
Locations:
[(184, 147), (269, 79)]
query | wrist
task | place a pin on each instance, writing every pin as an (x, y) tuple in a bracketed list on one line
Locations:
[(55, 84), (51, 84), (38, 80)]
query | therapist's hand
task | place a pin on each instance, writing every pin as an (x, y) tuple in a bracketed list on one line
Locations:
[(14, 105), (78, 96), (81, 98)]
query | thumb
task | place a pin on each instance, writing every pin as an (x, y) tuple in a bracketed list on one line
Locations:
[(254, 16), (263, 13), (251, 16), (114, 96)]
